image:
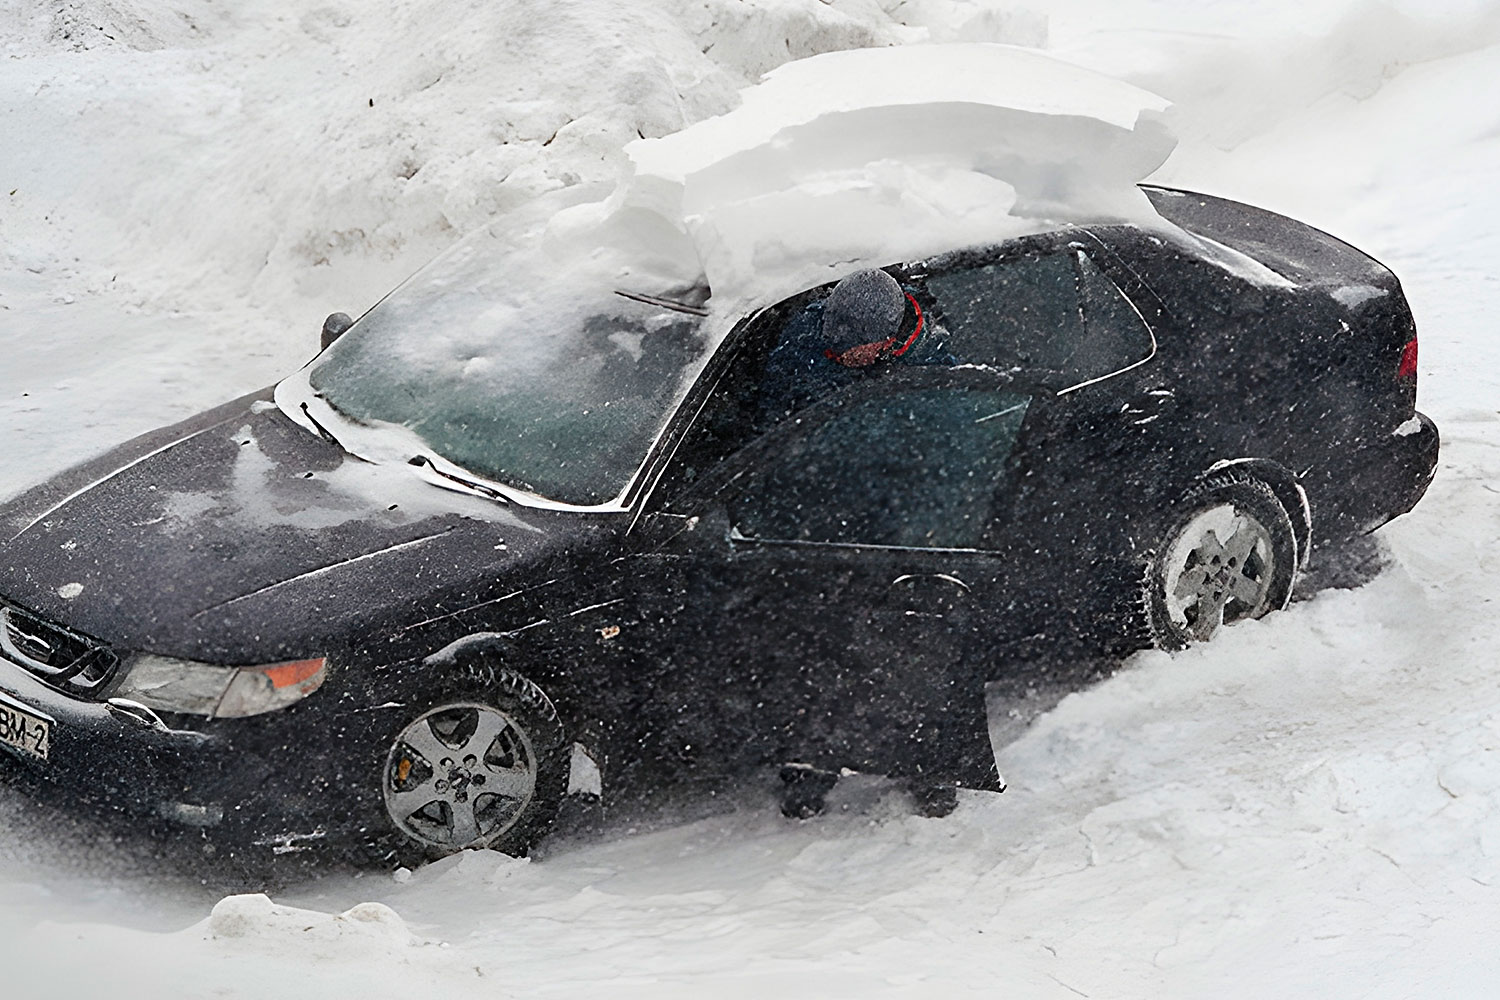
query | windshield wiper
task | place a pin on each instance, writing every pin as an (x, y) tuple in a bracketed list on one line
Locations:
[(655, 300), (468, 484), (324, 432)]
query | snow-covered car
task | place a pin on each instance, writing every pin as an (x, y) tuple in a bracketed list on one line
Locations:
[(403, 600)]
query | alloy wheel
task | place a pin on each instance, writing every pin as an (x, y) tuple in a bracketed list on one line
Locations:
[(1219, 570), (459, 776)]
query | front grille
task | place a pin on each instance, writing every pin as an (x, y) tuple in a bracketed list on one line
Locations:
[(67, 660)]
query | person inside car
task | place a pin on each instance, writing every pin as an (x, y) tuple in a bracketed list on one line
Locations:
[(862, 319), (867, 318)]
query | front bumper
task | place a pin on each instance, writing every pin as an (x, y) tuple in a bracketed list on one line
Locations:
[(243, 781), (108, 752)]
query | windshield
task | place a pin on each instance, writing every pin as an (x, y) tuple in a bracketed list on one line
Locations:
[(545, 353)]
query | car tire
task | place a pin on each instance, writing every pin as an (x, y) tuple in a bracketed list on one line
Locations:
[(1228, 553), (483, 765)]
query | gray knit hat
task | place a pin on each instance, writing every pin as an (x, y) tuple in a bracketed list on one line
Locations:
[(866, 306)]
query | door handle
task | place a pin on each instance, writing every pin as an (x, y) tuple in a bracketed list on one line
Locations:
[(925, 595), (1148, 407)]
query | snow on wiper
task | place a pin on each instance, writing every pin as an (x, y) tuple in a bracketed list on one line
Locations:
[(324, 432), (472, 486)]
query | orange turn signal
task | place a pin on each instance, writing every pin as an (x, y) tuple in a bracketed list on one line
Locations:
[(286, 674), (264, 689)]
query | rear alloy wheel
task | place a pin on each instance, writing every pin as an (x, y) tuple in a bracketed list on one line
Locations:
[(486, 771), (1229, 556)]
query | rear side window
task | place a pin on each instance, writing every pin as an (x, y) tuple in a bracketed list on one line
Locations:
[(1055, 317), (1116, 336), (1017, 313)]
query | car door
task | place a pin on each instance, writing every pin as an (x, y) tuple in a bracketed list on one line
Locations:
[(845, 554), (836, 571)]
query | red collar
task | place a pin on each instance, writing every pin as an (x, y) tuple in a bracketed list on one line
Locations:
[(863, 355)]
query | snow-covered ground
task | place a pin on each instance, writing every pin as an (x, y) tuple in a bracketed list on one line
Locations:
[(1308, 807)]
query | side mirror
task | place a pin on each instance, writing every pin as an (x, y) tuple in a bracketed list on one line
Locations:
[(333, 328)]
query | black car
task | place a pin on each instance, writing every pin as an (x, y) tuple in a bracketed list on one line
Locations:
[(403, 600)]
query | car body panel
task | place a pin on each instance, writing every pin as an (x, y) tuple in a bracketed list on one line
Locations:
[(237, 544)]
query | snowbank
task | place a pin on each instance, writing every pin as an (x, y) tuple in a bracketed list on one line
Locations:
[(311, 156), (252, 918)]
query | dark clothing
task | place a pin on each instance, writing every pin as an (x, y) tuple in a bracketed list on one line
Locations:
[(799, 371)]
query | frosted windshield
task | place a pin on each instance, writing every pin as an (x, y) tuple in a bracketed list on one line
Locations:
[(515, 356)]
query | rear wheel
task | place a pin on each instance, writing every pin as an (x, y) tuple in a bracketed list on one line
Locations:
[(1229, 554)]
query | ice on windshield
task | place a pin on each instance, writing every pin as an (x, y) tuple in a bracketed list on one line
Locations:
[(514, 356)]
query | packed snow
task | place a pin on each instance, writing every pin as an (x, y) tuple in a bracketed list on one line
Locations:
[(1308, 806), (878, 155)]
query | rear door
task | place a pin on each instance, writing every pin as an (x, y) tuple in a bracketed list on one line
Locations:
[(1048, 312)]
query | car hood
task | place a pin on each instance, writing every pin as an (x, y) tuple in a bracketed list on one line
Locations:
[(245, 538)]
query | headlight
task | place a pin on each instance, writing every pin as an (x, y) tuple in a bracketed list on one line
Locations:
[(169, 685)]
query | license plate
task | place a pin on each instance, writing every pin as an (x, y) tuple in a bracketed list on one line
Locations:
[(25, 732)]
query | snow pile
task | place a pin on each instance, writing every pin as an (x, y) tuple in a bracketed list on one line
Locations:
[(254, 919), (83, 25), (327, 150), (882, 155)]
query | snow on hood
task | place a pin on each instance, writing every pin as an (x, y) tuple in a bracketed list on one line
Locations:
[(880, 155)]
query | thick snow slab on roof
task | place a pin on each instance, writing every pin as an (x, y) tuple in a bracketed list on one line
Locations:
[(800, 92), (885, 154)]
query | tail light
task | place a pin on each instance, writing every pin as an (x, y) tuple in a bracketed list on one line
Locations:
[(1408, 367)]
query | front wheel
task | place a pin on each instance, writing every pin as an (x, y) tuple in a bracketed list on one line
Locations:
[(1229, 554), (486, 766)]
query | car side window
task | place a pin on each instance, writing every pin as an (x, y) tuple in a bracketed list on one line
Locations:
[(1054, 316), (1116, 336), (918, 468), (1019, 312)]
